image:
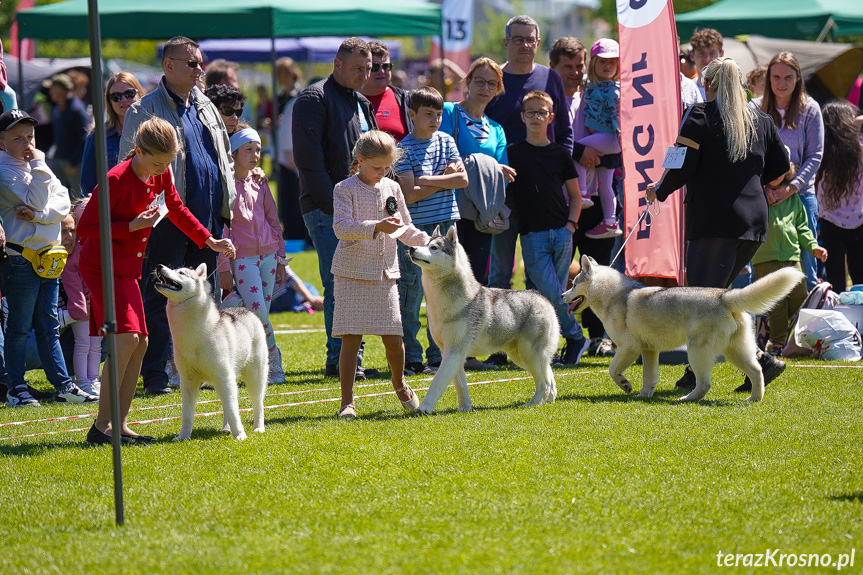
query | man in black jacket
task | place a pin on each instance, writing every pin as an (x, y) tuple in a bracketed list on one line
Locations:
[(328, 119), (389, 103)]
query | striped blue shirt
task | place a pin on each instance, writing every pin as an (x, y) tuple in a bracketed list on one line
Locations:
[(430, 158)]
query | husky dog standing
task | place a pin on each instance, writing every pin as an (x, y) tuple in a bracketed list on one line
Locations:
[(213, 346), (647, 320), (467, 319)]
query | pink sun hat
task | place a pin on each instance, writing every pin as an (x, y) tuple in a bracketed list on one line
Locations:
[(605, 48)]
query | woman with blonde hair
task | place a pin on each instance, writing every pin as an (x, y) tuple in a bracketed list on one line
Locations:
[(122, 91), (797, 117), (732, 151)]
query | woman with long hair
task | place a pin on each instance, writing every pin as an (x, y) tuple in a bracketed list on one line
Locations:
[(122, 91), (732, 150), (839, 186), (798, 119)]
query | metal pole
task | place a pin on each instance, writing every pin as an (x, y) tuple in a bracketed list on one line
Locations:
[(109, 328), (20, 73)]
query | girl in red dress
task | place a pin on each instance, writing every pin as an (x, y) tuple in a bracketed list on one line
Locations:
[(133, 186)]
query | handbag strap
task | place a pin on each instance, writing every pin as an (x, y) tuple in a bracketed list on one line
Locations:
[(16, 247)]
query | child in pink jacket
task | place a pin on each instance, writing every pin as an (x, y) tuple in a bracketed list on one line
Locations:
[(87, 354), (257, 235)]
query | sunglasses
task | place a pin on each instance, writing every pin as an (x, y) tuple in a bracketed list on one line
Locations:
[(118, 97), (190, 63), (386, 67), (228, 112)]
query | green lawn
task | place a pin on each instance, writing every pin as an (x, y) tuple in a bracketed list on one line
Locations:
[(595, 483)]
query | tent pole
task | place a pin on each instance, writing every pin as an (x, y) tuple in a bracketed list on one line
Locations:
[(442, 57), (109, 328), (274, 112), (20, 72), (827, 30)]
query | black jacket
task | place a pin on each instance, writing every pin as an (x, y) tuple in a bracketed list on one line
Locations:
[(403, 97), (326, 126)]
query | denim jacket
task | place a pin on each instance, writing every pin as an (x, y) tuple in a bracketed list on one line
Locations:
[(159, 103)]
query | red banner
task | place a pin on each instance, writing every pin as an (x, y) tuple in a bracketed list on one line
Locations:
[(650, 111)]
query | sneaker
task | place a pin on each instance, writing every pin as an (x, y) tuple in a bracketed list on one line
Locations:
[(40, 395), (276, 373), (771, 368), (172, 373), (157, 389), (74, 394), (474, 363), (433, 366), (332, 370), (86, 385), (497, 359), (604, 230), (20, 397), (775, 349), (573, 349), (96, 383), (586, 202), (601, 347), (687, 381), (417, 368), (349, 411)]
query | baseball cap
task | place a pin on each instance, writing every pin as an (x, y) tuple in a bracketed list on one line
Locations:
[(62, 80), (12, 117), (605, 48)]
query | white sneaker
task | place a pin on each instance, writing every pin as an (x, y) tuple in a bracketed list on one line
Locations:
[(276, 372), (87, 386), (586, 202), (172, 373), (74, 394), (96, 383)]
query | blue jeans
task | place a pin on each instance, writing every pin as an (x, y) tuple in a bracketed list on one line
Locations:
[(32, 305), (170, 247), (503, 257), (807, 260), (410, 300), (547, 255), (320, 226)]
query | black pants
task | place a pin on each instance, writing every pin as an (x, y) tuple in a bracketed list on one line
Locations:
[(600, 250), (841, 243), (478, 247), (293, 226), (716, 262)]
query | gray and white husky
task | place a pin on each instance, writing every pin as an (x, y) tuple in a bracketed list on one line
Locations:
[(467, 319), (647, 320), (213, 346)]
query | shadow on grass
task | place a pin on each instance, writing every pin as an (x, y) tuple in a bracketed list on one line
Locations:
[(660, 396), (855, 497)]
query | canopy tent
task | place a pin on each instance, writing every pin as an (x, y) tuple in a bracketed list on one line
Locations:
[(300, 49), (776, 18), (829, 69), (232, 19)]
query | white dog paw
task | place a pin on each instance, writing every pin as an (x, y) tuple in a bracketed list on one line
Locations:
[(258, 429), (424, 410), (753, 399), (240, 437), (182, 438), (465, 408), (646, 393)]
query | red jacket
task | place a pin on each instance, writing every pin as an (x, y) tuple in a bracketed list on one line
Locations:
[(129, 196)]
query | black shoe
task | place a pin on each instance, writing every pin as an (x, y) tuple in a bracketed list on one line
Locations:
[(20, 397), (137, 438), (331, 370), (497, 359), (40, 395), (573, 349), (417, 368), (687, 381), (98, 438), (367, 372), (155, 389), (771, 368)]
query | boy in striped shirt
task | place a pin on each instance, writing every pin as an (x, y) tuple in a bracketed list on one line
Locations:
[(429, 171)]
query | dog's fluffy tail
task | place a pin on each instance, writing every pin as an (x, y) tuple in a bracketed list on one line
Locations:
[(761, 296)]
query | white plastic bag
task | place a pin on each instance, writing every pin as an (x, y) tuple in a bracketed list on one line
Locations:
[(828, 334)]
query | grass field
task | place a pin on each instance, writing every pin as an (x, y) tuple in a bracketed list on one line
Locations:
[(597, 482)]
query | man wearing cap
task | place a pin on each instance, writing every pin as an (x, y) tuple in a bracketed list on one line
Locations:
[(71, 124), (203, 175), (33, 203)]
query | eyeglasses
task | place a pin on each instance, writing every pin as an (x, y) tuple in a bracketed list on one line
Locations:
[(118, 97), (385, 66), (228, 112), (482, 83), (541, 114), (522, 41), (190, 63)]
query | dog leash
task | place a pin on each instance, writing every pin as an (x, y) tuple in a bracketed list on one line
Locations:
[(647, 218)]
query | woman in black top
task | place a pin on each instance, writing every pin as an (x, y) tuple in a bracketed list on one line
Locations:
[(732, 151)]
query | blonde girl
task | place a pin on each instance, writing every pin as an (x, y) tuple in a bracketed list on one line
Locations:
[(369, 213), (133, 186)]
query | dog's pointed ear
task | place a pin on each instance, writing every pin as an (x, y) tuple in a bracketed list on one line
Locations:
[(587, 264), (201, 270), (436, 232), (452, 235)]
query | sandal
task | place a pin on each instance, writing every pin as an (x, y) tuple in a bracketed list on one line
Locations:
[(348, 411), (411, 404)]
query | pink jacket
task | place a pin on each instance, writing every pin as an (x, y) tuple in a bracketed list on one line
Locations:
[(77, 294), (362, 254), (255, 228)]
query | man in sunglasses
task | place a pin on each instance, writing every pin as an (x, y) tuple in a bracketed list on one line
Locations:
[(204, 176), (390, 103), (327, 120)]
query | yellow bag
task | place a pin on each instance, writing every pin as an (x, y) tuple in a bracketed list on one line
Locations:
[(47, 262)]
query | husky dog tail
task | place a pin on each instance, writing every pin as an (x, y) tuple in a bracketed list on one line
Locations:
[(761, 296)]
